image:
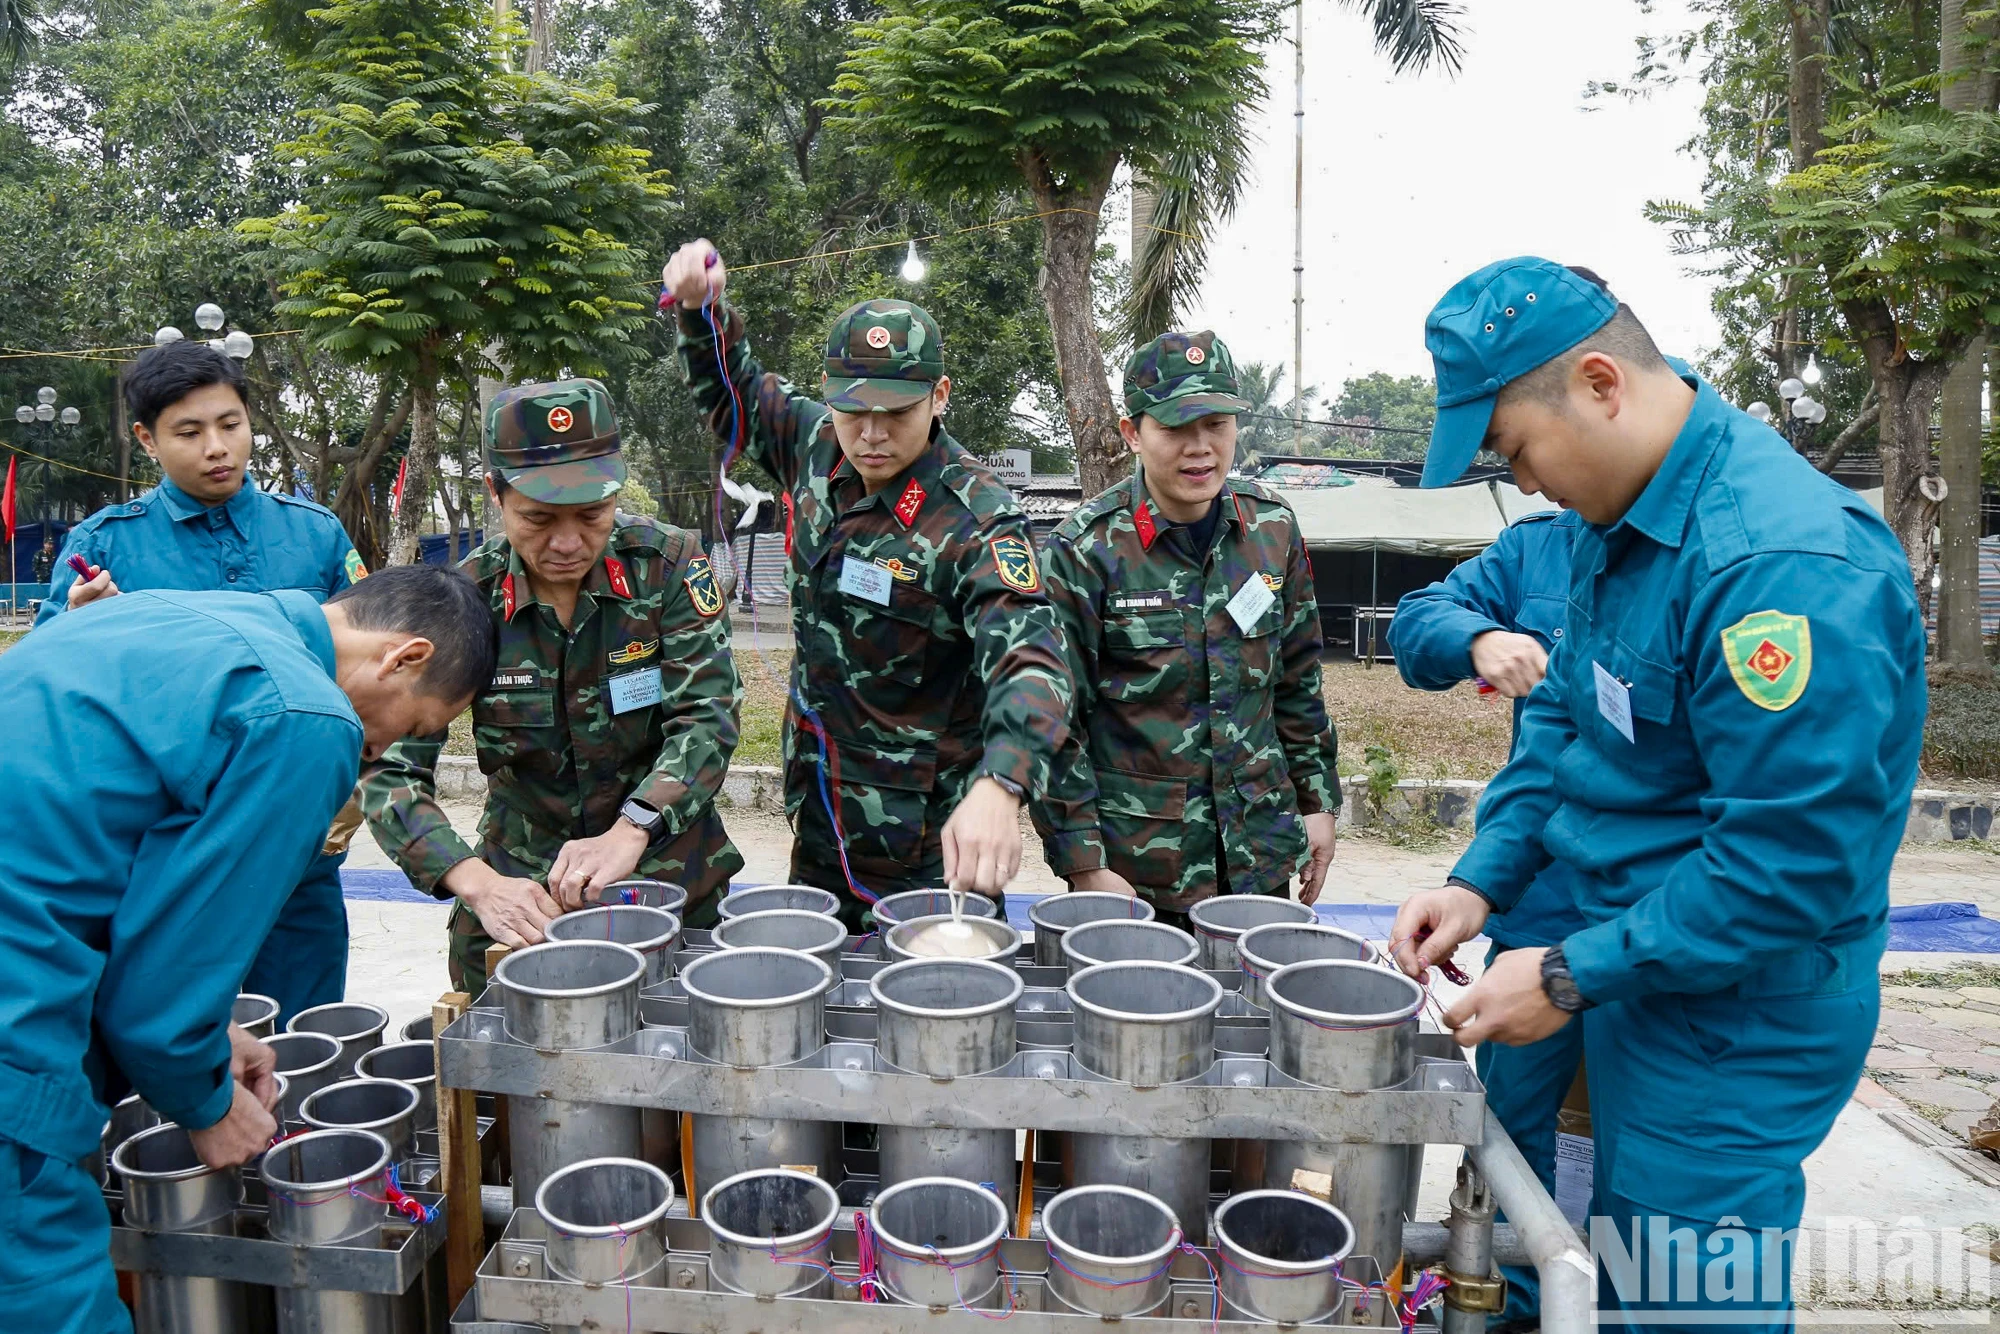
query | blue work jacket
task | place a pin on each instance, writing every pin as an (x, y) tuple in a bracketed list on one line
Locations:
[(1518, 584), (172, 763), (1753, 623), (254, 542)]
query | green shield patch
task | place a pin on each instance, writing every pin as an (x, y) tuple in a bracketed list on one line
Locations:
[(1770, 657)]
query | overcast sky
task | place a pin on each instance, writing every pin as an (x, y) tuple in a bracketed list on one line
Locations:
[(1414, 181)]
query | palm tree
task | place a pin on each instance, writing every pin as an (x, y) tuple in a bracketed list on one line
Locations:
[(17, 30), (1178, 209)]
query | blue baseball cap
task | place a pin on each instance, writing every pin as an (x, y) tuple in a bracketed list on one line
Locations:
[(1493, 327)]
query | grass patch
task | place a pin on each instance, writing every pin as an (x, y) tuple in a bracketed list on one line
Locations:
[(1962, 735), (9, 638), (1946, 979)]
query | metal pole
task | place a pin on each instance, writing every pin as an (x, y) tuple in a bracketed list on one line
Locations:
[(1568, 1275), (1298, 226), (1374, 596)]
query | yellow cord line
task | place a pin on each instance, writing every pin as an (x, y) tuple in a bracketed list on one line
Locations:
[(99, 353), (29, 453)]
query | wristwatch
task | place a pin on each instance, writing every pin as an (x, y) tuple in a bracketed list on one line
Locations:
[(1559, 986), (1009, 786), (639, 813)]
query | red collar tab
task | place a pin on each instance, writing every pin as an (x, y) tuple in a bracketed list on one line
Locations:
[(507, 597), (1142, 519), (1241, 522), (912, 501), (614, 570)]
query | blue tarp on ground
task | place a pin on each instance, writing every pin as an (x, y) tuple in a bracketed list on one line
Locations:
[(1922, 927)]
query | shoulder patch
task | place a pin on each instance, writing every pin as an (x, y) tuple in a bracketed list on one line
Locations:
[(1770, 658), (1015, 560), (356, 571), (702, 588)]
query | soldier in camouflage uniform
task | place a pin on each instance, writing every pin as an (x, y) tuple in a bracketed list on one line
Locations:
[(1201, 760), (928, 664), (612, 713)]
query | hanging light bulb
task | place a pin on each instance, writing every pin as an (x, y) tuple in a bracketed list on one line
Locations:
[(1812, 374), (1760, 410), (914, 267)]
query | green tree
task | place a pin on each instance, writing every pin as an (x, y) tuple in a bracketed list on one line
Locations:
[(457, 210), (978, 99)]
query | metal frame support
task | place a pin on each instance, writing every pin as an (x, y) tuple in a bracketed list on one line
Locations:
[(1477, 1290), (1567, 1274)]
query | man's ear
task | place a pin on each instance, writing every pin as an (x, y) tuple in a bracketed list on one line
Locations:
[(411, 654), (1601, 380), (1129, 429), (145, 438)]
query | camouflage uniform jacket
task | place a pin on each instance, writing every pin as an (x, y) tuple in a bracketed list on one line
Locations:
[(956, 671), (559, 761), (1190, 732)]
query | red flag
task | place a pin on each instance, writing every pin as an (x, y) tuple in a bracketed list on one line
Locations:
[(7, 499), (396, 492)]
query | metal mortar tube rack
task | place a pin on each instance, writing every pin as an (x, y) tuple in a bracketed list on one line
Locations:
[(1057, 915), (326, 1189), (571, 995), (356, 1026), (1565, 1270), (255, 1014), (606, 1220), (1221, 921), (1145, 1024), (751, 1009), (168, 1189), (947, 1018), (1350, 1026)]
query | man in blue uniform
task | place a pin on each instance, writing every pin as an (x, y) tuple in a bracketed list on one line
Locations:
[(1723, 753), (205, 527), (1497, 617), (172, 762)]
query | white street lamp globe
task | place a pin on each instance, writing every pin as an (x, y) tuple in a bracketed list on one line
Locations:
[(1790, 388), (1812, 374), (24, 414), (1760, 410), (209, 316), (45, 395), (239, 344), (914, 267), (1802, 408), (70, 416), (165, 334), (1819, 413), (45, 413)]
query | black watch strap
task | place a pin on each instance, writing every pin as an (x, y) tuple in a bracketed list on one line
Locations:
[(1559, 985)]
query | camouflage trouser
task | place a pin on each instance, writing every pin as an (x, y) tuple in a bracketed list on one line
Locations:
[(879, 879), (701, 860)]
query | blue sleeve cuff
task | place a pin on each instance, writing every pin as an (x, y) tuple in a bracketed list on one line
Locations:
[(1599, 962), (210, 1109), (1491, 871)]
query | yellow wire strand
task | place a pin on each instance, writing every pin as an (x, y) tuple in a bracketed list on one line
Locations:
[(29, 453), (100, 353)]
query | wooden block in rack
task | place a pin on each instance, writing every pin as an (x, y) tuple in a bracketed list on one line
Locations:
[(458, 1146)]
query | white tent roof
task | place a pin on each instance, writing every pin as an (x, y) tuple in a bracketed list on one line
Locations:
[(1453, 521)]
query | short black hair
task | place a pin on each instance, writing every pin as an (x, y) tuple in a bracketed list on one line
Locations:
[(163, 376), (1622, 337), (442, 606)]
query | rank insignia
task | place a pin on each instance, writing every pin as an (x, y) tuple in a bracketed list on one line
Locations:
[(614, 571), (1015, 560), (1770, 657), (701, 587), (1142, 519), (356, 571), (507, 597), (902, 573), (912, 500), (636, 651)]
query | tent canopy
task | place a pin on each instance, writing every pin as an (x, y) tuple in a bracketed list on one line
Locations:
[(1452, 521)]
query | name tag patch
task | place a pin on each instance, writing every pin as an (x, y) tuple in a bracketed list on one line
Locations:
[(517, 678), (1153, 600), (634, 690), (866, 580), (1251, 602), (1614, 700)]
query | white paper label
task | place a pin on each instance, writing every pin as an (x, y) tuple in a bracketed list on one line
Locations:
[(1251, 602), (1614, 700), (1575, 1172), (634, 690), (865, 579)]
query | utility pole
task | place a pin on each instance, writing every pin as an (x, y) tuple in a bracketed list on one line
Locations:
[(1299, 227)]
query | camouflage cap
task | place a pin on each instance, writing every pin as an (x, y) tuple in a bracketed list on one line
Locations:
[(881, 356), (555, 442), (1181, 377)]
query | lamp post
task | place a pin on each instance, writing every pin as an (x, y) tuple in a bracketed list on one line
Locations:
[(44, 411), (209, 318)]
